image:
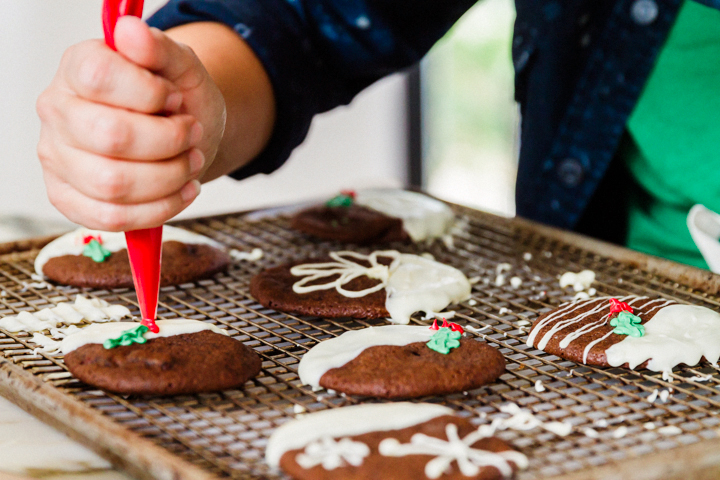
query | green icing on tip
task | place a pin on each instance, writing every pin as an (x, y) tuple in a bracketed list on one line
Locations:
[(96, 251), (340, 201), (128, 337), (627, 324), (444, 340)]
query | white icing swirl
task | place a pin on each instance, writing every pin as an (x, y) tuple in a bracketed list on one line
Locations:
[(454, 449), (423, 217), (72, 243), (412, 283), (346, 422), (338, 351), (92, 310), (98, 333)]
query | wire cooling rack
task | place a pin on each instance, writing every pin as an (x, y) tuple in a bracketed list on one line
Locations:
[(618, 430)]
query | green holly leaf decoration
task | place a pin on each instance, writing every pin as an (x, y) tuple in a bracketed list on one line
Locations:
[(444, 340), (128, 337), (627, 324), (341, 200), (96, 251)]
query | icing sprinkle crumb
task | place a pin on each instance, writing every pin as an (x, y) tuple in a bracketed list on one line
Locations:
[(652, 397), (620, 432), (527, 256), (670, 430), (591, 432), (515, 282), (253, 256), (649, 426), (539, 386)]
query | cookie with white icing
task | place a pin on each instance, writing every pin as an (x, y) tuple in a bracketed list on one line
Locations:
[(392, 441), (185, 357), (88, 258), (376, 216), (399, 361), (349, 284), (657, 334)]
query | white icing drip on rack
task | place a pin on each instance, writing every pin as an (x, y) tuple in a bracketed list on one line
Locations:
[(92, 310), (333, 454), (72, 243), (676, 334), (454, 449), (423, 217), (338, 351), (346, 271), (412, 283), (346, 422)]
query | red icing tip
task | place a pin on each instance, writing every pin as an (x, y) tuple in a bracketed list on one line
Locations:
[(445, 324), (349, 193), (434, 325), (616, 306), (151, 325), (456, 328)]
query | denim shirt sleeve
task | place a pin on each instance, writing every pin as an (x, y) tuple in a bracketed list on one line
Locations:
[(320, 53)]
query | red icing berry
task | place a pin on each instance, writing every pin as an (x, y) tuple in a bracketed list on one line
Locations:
[(348, 193), (616, 306), (89, 238), (457, 328), (434, 325)]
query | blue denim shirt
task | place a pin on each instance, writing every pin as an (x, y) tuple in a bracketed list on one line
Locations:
[(580, 67)]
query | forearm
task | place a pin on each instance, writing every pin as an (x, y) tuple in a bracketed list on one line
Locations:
[(246, 88)]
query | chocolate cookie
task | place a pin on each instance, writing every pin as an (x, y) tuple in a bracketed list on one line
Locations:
[(582, 331), (384, 283), (181, 263), (273, 288), (352, 224), (398, 361), (203, 361), (384, 442)]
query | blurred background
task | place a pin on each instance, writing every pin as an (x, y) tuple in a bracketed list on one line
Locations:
[(468, 122)]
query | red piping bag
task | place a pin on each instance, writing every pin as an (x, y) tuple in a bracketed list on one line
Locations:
[(144, 246)]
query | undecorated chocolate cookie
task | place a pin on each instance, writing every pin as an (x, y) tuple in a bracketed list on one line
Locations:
[(94, 259), (349, 284), (630, 332), (186, 356), (392, 441), (400, 361)]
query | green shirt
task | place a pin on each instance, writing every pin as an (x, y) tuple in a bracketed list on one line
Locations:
[(675, 129)]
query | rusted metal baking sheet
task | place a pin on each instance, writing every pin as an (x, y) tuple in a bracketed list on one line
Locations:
[(224, 434)]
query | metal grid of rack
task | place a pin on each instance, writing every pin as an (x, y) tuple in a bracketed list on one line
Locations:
[(225, 433)]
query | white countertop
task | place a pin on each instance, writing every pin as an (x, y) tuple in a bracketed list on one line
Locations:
[(29, 448)]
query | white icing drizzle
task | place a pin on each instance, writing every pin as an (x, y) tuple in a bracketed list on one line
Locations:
[(346, 422), (92, 310), (72, 243), (253, 256), (99, 332), (676, 334), (423, 217), (670, 430), (412, 283), (338, 351), (347, 270), (332, 454), (523, 419), (469, 459)]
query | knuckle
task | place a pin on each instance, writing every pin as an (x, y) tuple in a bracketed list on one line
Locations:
[(113, 136), (93, 73), (111, 184), (45, 106), (178, 134)]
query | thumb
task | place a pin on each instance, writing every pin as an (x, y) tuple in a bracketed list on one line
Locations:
[(152, 49)]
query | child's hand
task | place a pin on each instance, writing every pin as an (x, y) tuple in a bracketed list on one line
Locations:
[(109, 161)]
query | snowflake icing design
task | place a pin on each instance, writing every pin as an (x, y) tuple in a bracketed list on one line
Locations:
[(332, 454), (347, 267), (469, 459)]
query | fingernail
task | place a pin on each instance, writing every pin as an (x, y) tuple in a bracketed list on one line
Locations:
[(196, 133), (197, 161), (190, 191), (173, 101)]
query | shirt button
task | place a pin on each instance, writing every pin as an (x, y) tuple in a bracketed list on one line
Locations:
[(644, 12), (570, 172)]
